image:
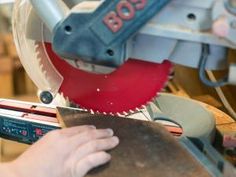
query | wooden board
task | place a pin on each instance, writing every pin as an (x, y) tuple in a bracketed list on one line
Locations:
[(146, 149), (220, 117), (227, 129)]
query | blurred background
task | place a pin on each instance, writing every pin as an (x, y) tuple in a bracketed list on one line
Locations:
[(14, 82)]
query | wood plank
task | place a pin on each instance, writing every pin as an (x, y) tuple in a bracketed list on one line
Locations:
[(229, 129), (145, 149), (220, 116), (208, 99)]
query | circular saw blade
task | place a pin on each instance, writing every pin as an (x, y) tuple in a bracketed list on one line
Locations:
[(127, 88)]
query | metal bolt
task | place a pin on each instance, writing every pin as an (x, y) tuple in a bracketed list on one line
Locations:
[(46, 97), (110, 52)]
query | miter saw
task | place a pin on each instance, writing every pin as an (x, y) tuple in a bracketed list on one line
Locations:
[(111, 58), (115, 56)]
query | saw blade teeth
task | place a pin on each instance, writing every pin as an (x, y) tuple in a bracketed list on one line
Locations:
[(125, 113), (118, 114), (41, 57), (63, 96), (143, 107), (111, 114), (137, 109), (170, 77), (67, 99), (172, 70), (131, 111), (91, 111), (41, 67), (172, 73), (166, 84), (163, 90), (45, 73), (150, 102)]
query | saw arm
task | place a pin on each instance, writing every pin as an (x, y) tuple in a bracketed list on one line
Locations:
[(99, 37), (56, 11)]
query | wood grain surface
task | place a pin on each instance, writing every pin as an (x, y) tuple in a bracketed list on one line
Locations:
[(146, 149)]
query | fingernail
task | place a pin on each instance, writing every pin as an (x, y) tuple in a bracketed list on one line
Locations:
[(108, 156), (110, 131), (116, 139)]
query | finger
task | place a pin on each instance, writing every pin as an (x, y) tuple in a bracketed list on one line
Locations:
[(90, 162), (78, 129), (82, 138), (97, 145)]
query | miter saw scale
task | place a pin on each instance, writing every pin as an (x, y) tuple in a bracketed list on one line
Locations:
[(26, 122)]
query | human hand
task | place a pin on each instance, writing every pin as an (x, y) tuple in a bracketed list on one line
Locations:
[(70, 152)]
